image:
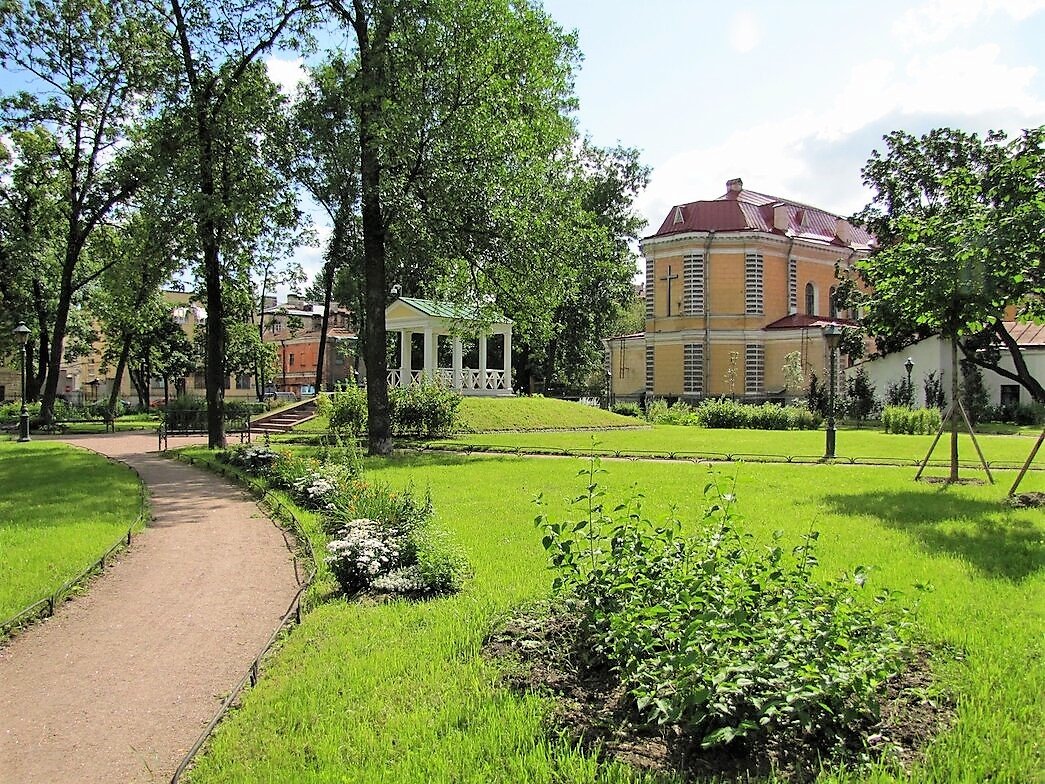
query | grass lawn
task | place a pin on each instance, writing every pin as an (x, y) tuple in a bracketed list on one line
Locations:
[(865, 445), (483, 414), (399, 692), (60, 509)]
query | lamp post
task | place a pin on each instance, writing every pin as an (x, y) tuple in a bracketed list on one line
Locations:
[(21, 333), (609, 389), (832, 335), (909, 366)]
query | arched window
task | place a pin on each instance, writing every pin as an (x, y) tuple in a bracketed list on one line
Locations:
[(832, 304), (810, 299)]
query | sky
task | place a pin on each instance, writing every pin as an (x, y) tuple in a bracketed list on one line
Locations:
[(791, 97)]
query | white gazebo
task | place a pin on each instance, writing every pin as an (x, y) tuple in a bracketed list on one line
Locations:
[(436, 320)]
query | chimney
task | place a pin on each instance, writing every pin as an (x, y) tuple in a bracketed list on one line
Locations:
[(781, 217), (734, 186)]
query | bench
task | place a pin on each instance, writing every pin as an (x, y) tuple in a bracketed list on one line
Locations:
[(194, 423), (62, 426)]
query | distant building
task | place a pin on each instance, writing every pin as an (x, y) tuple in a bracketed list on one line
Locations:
[(296, 327), (733, 285)]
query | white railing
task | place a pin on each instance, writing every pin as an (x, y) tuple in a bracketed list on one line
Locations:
[(472, 379)]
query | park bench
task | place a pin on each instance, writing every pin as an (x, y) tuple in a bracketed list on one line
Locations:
[(194, 423)]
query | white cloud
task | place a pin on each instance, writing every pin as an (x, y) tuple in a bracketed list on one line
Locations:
[(780, 157), (745, 33), (936, 20), (286, 73)]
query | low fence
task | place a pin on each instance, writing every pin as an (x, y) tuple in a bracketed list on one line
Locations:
[(705, 456), (277, 510), (45, 607)]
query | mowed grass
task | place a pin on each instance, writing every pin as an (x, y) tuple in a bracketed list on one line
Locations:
[(485, 414), (864, 445), (400, 693), (60, 509)]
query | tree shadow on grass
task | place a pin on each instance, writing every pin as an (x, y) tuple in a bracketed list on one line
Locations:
[(997, 541)]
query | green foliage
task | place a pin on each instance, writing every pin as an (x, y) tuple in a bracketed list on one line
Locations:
[(901, 419), (1021, 414), (724, 413), (627, 409), (933, 387), (345, 409), (816, 395), (658, 412), (974, 396), (861, 401), (727, 639), (425, 410)]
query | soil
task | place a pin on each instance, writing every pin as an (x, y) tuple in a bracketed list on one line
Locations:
[(118, 685), (1028, 500), (537, 652)]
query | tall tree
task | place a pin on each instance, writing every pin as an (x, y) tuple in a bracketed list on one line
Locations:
[(217, 48), (958, 220), (460, 110), (93, 68)]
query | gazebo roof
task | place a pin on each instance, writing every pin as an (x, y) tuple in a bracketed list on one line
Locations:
[(449, 311)]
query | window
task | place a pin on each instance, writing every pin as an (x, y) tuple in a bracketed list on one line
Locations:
[(792, 285), (693, 369), (753, 284), (199, 380), (649, 288), (693, 284), (292, 360), (810, 299), (1010, 395), (243, 381), (832, 305), (754, 368), (649, 369)]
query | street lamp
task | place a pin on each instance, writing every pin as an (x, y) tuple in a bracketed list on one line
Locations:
[(21, 333), (832, 335), (909, 366)]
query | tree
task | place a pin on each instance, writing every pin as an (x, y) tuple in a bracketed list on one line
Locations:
[(794, 378), (460, 111), (94, 66), (958, 221), (221, 89)]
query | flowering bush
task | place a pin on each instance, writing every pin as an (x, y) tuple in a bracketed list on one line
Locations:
[(250, 457), (322, 487)]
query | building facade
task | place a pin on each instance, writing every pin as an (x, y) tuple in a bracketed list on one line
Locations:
[(733, 285)]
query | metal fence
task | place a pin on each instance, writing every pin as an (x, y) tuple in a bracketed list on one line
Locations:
[(277, 510), (45, 607)]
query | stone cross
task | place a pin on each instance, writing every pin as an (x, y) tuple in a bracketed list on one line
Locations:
[(669, 277)]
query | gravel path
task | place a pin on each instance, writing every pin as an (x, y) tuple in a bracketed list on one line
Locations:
[(119, 684)]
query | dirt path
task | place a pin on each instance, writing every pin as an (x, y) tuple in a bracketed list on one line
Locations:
[(119, 684)]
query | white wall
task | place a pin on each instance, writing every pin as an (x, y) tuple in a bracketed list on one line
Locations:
[(934, 354)]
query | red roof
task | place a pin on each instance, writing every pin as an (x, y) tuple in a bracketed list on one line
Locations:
[(1026, 334), (744, 210), (805, 321)]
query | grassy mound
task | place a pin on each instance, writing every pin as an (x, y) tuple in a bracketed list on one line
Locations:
[(483, 414)]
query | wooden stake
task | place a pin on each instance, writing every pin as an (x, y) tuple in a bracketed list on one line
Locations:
[(1026, 466)]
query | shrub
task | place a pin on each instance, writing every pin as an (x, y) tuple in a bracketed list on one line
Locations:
[(251, 457), (725, 413), (346, 409), (900, 419), (721, 637), (394, 549), (658, 412), (627, 409), (974, 395), (425, 409)]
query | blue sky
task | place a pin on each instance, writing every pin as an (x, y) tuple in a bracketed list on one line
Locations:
[(792, 97)]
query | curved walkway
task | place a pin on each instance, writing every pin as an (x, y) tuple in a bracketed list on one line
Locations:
[(120, 683)]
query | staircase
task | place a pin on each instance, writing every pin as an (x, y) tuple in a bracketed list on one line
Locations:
[(283, 420)]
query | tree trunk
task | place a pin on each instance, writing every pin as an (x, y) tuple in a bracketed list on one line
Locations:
[(121, 367), (328, 291), (954, 410), (372, 86), (61, 321)]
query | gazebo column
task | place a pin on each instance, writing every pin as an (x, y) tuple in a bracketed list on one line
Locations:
[(508, 359), (482, 362), (429, 354), (457, 363), (404, 357)]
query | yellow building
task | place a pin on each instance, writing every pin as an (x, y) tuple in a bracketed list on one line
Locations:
[(733, 285)]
